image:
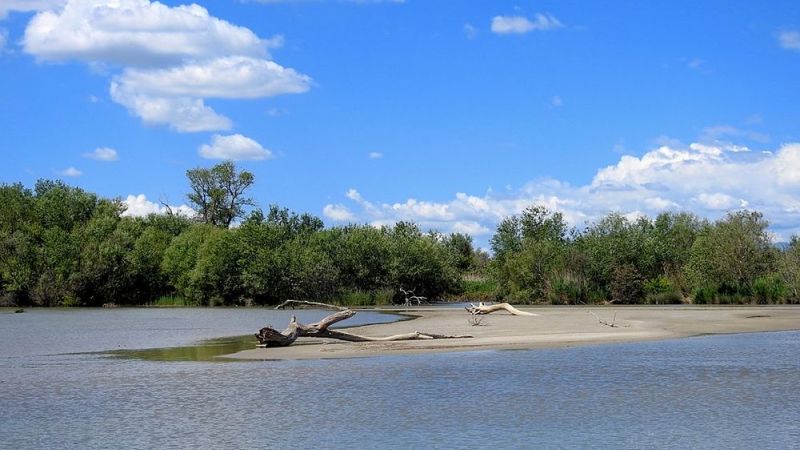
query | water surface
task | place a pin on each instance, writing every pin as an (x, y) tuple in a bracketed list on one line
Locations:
[(734, 391)]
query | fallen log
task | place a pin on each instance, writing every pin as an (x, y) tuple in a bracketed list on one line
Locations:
[(270, 337), (481, 308)]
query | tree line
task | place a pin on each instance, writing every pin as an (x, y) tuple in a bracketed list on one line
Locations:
[(63, 246), (674, 258)]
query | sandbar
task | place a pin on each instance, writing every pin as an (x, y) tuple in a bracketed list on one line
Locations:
[(553, 327)]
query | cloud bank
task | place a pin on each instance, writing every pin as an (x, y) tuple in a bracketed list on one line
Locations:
[(705, 179), (140, 206)]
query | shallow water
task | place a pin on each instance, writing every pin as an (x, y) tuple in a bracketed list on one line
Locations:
[(735, 391)]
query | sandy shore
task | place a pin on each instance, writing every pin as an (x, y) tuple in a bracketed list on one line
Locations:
[(553, 327)]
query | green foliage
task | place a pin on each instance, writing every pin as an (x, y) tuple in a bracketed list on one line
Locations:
[(479, 288), (662, 291), (643, 261), (769, 289), (627, 284), (170, 301), (733, 253), (62, 246), (218, 193)]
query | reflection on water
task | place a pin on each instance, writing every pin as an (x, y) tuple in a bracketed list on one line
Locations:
[(732, 392), (207, 350)]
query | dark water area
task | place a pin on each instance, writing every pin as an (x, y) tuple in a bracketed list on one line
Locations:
[(734, 391)]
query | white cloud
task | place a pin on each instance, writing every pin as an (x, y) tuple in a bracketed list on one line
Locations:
[(70, 172), (375, 155), (717, 201), (135, 33), (102, 154), (338, 213), (181, 114), (140, 206), (229, 77), (704, 179), (171, 59), (522, 25), (789, 40), (3, 38), (235, 148), (556, 101), (7, 6)]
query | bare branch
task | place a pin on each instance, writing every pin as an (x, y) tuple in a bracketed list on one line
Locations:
[(481, 308), (269, 337)]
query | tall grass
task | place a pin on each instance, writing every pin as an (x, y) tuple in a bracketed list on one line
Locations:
[(365, 298), (171, 301)]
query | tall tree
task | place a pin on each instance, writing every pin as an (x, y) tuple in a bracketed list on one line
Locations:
[(218, 194)]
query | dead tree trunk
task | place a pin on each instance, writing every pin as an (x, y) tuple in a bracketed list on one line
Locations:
[(270, 337), (488, 309)]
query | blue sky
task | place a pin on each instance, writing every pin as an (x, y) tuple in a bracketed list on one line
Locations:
[(452, 114)]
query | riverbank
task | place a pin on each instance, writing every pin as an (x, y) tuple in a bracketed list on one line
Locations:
[(552, 327)]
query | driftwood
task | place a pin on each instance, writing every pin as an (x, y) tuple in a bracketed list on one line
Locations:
[(612, 324), (270, 337), (410, 298), (481, 308)]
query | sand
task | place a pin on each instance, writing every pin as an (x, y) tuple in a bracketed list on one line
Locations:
[(553, 327)]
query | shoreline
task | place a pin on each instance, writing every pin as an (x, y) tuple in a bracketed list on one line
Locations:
[(554, 327)]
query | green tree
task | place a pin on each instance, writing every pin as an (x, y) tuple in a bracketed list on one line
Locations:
[(218, 194), (732, 254)]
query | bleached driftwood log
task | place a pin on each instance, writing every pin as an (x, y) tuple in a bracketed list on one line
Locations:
[(481, 308), (410, 298), (270, 337)]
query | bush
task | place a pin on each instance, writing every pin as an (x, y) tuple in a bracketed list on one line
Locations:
[(705, 294), (770, 289), (366, 298), (664, 298), (660, 285), (478, 289), (627, 285), (566, 291)]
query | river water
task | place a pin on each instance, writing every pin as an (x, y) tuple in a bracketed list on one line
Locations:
[(68, 379)]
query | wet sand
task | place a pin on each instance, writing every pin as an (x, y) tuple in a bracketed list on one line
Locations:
[(553, 327)]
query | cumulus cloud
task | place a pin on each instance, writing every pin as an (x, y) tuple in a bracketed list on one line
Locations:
[(790, 40), (228, 77), (705, 179), (170, 59), (140, 206), (135, 33), (522, 25), (235, 148), (102, 154), (338, 213), (70, 172)]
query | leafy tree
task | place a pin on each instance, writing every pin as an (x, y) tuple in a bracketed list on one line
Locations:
[(460, 247), (732, 253), (218, 194), (789, 268)]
